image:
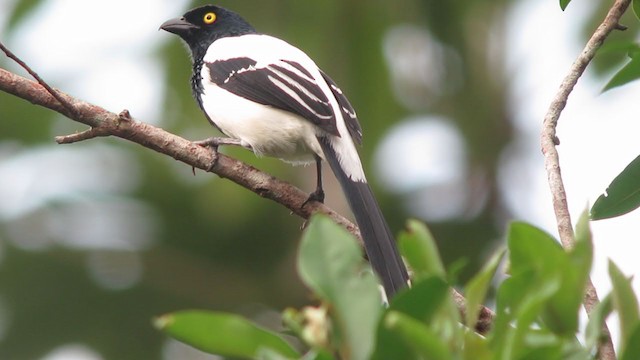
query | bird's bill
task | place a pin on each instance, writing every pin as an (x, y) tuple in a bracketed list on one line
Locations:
[(177, 26)]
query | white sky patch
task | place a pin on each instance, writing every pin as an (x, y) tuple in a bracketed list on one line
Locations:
[(72, 352), (99, 52), (420, 152)]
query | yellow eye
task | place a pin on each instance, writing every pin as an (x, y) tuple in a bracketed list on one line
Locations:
[(209, 18)]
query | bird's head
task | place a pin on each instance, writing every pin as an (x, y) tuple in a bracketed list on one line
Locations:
[(200, 27)]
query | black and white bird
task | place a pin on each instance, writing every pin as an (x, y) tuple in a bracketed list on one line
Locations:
[(270, 97)]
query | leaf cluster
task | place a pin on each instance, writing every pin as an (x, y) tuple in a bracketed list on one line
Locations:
[(537, 307)]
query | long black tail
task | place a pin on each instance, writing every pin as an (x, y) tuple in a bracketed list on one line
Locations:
[(378, 240)]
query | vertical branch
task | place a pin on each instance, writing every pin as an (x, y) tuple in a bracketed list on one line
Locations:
[(549, 141)]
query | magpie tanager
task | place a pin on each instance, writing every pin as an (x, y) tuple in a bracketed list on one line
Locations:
[(270, 97)]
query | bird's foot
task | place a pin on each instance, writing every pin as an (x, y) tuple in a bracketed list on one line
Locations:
[(317, 195), (214, 142)]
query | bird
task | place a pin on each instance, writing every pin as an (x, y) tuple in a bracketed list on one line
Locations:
[(270, 97)]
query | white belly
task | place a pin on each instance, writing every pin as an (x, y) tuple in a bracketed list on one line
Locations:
[(269, 131)]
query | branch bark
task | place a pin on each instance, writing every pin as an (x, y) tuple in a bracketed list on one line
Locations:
[(549, 140)]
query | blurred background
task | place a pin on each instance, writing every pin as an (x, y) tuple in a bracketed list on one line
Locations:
[(97, 238)]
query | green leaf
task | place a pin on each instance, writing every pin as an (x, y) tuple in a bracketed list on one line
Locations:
[(222, 334), (425, 342), (317, 355), (268, 354), (635, 4), (625, 302), (419, 248), (421, 303), (581, 256), (622, 195), (521, 300), (476, 347), (476, 289), (628, 73), (597, 318), (543, 296), (631, 351), (533, 250), (331, 264), (561, 314), (564, 3)]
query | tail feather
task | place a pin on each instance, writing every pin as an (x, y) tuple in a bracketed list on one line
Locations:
[(379, 243)]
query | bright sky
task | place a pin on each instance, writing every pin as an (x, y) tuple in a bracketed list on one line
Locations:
[(598, 132)]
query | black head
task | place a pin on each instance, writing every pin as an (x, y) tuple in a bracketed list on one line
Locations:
[(200, 27)]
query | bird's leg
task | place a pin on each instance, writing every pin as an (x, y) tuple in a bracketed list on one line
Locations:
[(318, 194)]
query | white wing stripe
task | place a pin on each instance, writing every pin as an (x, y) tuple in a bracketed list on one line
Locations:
[(297, 71), (296, 84), (296, 97)]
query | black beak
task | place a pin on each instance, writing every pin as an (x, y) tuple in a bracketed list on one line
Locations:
[(178, 26)]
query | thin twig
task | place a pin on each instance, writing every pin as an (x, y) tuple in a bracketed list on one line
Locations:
[(44, 84), (81, 136), (549, 141)]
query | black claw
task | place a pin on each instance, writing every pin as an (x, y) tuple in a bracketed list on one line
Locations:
[(317, 195)]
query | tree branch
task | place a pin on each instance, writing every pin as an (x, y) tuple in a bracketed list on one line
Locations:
[(549, 141), (105, 123)]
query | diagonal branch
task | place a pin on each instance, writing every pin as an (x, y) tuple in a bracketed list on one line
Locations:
[(549, 141), (105, 123)]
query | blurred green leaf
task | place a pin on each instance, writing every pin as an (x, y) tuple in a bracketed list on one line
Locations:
[(622, 195), (476, 347), (476, 289), (547, 284), (423, 299), (222, 334), (420, 302), (425, 342), (331, 263), (597, 318), (564, 3), (632, 349), (636, 8), (20, 11), (562, 312), (419, 248), (534, 250), (268, 354), (521, 300), (620, 47), (628, 73), (317, 355), (625, 302), (581, 256)]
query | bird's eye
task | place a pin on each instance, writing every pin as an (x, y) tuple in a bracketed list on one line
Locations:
[(209, 18)]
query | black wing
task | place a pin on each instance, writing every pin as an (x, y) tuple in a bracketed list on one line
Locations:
[(286, 85), (348, 113)]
